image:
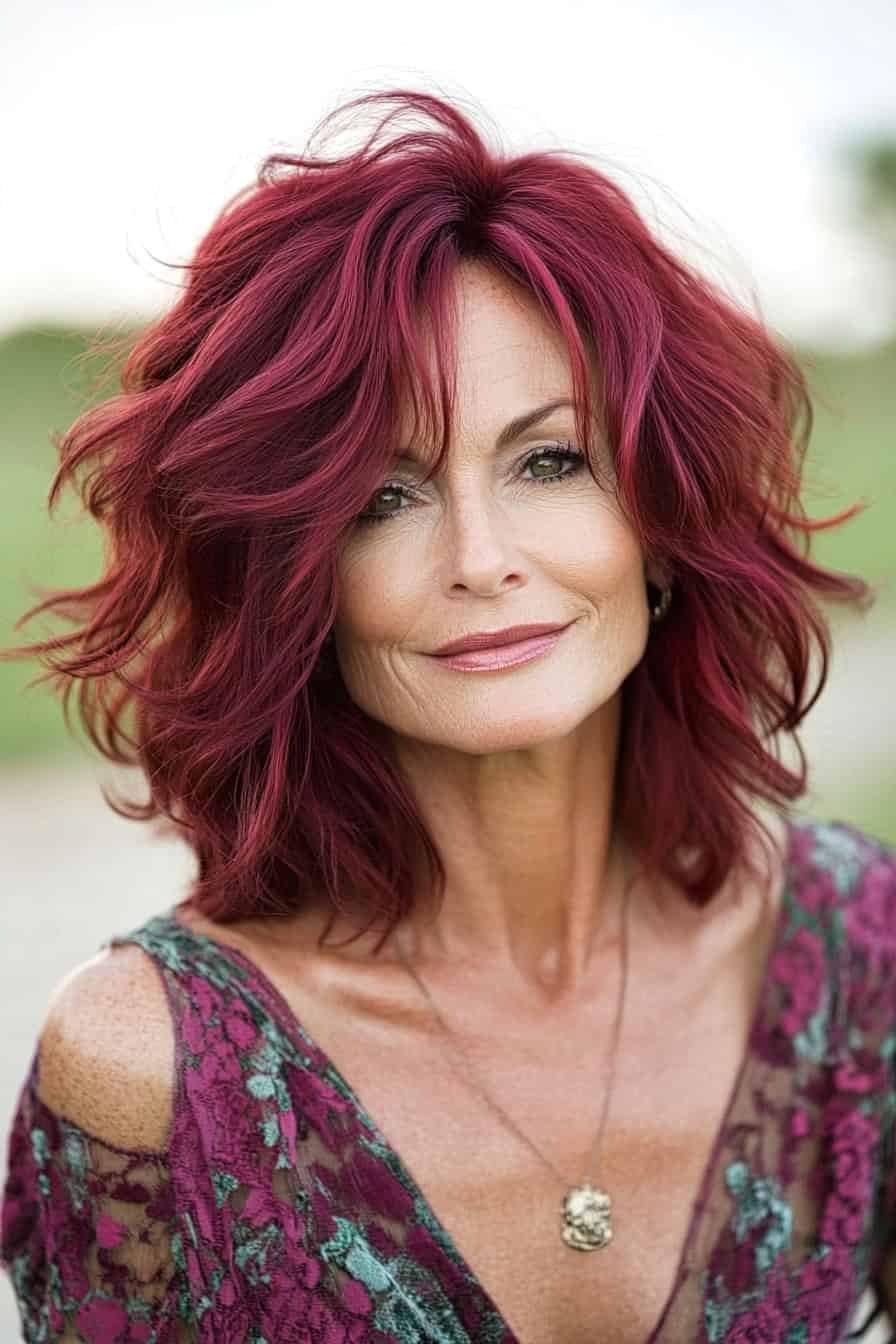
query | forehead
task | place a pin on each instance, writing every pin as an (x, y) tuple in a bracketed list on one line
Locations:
[(515, 430), (511, 368)]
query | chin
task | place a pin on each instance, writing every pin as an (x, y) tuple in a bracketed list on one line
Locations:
[(508, 729)]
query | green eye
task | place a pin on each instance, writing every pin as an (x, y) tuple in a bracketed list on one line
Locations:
[(395, 490), (564, 452)]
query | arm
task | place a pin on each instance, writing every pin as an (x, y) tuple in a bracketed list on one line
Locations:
[(90, 1230)]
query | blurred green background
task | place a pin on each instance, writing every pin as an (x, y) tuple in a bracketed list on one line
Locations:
[(47, 377)]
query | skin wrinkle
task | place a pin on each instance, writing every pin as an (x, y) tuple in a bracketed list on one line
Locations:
[(513, 770), (249, 414)]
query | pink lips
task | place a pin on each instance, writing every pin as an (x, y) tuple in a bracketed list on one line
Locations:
[(488, 639), (504, 655)]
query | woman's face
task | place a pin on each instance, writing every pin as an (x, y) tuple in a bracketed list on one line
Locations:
[(507, 535)]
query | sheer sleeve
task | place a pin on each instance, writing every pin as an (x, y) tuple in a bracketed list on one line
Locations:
[(90, 1237)]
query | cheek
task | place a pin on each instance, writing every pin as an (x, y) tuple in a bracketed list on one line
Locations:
[(594, 554), (601, 558), (375, 600)]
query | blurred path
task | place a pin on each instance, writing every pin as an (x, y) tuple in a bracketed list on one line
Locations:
[(72, 872)]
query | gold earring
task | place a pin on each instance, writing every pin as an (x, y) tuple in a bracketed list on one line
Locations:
[(658, 606)]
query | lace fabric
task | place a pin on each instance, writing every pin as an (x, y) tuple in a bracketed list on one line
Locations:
[(279, 1214), (91, 1234)]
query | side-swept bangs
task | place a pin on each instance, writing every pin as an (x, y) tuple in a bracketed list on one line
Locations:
[(257, 417)]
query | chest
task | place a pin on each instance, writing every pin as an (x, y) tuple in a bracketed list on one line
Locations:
[(496, 1183), (501, 1204)]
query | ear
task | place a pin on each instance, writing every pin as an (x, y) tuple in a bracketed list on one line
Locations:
[(655, 572)]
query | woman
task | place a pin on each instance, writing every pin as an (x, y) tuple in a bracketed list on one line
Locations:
[(509, 1002)]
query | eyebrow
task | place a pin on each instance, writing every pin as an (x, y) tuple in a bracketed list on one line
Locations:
[(516, 428)]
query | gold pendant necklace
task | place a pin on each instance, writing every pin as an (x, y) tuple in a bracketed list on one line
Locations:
[(586, 1212), (586, 1218)]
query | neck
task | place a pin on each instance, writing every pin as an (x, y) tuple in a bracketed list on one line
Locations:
[(534, 861)]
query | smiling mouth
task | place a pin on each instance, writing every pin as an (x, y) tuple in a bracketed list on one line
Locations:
[(497, 656)]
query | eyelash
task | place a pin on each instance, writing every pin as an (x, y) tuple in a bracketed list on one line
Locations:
[(562, 450)]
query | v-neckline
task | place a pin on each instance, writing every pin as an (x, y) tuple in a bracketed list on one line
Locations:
[(296, 1031)]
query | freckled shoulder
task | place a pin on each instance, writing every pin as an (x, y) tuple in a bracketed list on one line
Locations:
[(107, 1050)]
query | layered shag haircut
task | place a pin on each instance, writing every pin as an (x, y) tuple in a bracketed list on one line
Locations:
[(257, 417)]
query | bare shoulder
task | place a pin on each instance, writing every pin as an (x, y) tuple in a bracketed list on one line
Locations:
[(107, 1050)]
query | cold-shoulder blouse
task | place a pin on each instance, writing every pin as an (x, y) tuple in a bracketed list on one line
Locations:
[(279, 1214)]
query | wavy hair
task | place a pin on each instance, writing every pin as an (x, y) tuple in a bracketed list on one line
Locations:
[(257, 417)]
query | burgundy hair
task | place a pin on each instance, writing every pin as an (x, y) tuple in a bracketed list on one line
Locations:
[(256, 419)]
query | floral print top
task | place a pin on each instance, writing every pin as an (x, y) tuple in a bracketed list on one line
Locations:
[(279, 1214)]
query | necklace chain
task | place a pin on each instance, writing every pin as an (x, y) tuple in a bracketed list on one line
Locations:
[(585, 1192)]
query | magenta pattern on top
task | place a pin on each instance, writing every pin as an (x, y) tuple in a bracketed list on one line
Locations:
[(279, 1214)]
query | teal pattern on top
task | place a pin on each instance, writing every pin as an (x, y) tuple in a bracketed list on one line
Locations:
[(279, 1214)]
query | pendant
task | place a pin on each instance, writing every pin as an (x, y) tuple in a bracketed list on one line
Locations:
[(586, 1218)]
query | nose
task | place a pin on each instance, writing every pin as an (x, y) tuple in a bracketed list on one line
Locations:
[(480, 550)]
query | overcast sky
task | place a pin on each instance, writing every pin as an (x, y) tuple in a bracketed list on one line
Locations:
[(127, 125)]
